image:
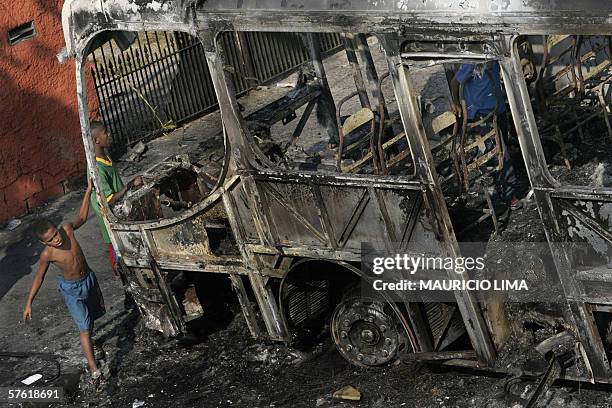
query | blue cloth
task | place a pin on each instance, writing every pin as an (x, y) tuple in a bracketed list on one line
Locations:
[(478, 92), (84, 299)]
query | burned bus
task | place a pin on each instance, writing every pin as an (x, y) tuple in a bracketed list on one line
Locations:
[(282, 207)]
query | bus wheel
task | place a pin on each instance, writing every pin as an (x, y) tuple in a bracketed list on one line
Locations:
[(366, 331)]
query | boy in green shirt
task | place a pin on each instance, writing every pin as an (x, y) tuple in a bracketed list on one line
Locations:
[(112, 187)]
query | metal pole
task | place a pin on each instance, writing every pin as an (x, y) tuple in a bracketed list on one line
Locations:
[(326, 100), (434, 199), (349, 47)]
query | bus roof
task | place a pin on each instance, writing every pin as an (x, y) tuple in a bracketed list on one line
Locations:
[(83, 18)]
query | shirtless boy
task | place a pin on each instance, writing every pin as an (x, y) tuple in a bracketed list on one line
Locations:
[(77, 283)]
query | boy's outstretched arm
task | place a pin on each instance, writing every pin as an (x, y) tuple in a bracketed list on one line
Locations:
[(135, 182), (43, 265), (84, 210)]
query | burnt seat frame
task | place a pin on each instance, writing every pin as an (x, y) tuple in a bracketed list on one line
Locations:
[(472, 173), (585, 87), (383, 151)]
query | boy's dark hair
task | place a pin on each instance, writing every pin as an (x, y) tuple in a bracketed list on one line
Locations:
[(96, 126), (40, 226)]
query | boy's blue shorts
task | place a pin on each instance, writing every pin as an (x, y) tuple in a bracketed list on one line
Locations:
[(84, 299)]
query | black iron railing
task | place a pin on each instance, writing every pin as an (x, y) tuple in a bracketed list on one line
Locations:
[(162, 81)]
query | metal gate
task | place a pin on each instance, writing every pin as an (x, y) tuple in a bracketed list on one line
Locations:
[(161, 81)]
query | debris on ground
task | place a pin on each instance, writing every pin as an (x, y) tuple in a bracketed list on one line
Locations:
[(135, 154), (12, 224), (347, 392), (31, 379), (285, 85)]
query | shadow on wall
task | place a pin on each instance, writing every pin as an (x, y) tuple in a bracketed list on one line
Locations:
[(42, 150)]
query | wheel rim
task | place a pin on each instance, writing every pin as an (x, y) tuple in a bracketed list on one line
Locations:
[(366, 332)]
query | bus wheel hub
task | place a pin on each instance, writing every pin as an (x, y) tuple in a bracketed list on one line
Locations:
[(366, 332)]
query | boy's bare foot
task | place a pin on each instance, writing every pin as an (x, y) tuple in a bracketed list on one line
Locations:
[(95, 379)]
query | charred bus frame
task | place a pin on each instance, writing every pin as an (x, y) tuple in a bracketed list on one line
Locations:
[(268, 248)]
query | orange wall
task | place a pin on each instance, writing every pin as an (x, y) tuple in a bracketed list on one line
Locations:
[(40, 141)]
